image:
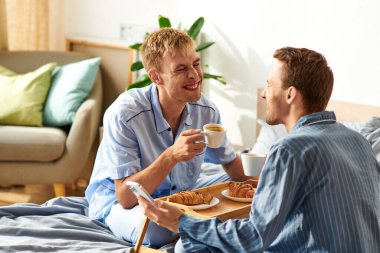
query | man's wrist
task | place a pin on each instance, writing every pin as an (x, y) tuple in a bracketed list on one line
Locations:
[(181, 216), (169, 155)]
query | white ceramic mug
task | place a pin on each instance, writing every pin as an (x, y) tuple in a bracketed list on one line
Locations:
[(252, 163), (214, 135)]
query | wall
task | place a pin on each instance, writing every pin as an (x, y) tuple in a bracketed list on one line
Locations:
[(347, 32)]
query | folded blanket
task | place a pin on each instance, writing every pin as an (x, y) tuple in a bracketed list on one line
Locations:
[(59, 225)]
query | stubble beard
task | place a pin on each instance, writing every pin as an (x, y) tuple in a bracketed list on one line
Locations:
[(270, 120), (198, 95)]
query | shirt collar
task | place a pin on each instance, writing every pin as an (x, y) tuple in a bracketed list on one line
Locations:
[(161, 124), (325, 117), (186, 115)]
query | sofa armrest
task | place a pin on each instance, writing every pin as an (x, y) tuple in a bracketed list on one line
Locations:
[(84, 130)]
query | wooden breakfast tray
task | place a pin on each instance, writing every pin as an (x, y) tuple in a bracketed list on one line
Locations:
[(224, 210)]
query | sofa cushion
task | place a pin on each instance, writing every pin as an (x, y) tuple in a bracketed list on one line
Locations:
[(22, 96), (19, 143), (71, 85)]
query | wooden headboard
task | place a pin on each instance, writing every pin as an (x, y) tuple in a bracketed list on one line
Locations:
[(344, 111)]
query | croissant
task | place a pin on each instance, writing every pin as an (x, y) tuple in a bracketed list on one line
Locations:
[(240, 190), (190, 198)]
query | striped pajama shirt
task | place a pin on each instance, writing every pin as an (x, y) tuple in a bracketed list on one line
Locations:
[(318, 192)]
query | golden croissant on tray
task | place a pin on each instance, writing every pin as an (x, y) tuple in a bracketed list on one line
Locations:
[(190, 198), (240, 190)]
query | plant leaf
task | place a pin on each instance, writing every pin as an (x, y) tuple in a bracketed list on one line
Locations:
[(193, 32), (204, 45), (164, 21), (140, 84), (218, 78), (136, 46), (137, 66), (196, 28)]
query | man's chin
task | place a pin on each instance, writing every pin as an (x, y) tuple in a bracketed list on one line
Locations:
[(272, 122), (194, 99)]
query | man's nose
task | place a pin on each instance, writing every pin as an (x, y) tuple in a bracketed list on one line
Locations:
[(193, 73), (262, 93)]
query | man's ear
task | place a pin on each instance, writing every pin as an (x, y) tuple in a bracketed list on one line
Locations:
[(154, 76), (291, 94)]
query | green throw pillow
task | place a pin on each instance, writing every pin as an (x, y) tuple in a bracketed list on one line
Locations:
[(6, 72), (22, 96), (71, 85)]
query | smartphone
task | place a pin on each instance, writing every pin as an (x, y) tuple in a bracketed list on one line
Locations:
[(139, 190)]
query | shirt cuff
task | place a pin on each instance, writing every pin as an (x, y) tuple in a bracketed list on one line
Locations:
[(185, 222)]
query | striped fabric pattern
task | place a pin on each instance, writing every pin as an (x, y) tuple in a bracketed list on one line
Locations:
[(318, 192)]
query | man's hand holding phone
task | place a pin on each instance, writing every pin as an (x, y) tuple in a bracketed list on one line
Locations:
[(139, 190)]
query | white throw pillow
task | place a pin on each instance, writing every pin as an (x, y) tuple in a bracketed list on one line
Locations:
[(267, 137)]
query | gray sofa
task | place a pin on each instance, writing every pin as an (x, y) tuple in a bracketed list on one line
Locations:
[(49, 155)]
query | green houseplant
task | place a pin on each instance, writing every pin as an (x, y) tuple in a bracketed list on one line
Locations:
[(193, 32)]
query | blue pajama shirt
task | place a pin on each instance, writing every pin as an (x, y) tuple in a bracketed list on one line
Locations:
[(135, 134), (318, 192)]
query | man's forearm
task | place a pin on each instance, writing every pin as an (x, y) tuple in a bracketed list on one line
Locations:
[(185, 148), (234, 235), (235, 169), (150, 177)]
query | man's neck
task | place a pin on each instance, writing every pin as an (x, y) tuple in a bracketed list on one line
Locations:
[(294, 116), (172, 113)]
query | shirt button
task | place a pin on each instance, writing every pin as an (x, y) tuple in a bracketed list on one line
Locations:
[(174, 187)]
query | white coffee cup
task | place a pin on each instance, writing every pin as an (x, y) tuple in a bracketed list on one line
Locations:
[(252, 163), (214, 135)]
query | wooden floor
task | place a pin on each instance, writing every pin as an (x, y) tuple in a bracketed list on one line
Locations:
[(32, 193)]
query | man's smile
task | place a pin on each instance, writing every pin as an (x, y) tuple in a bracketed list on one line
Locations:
[(192, 86)]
